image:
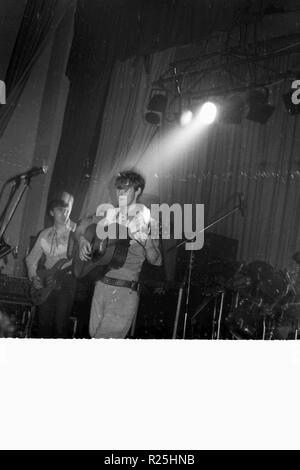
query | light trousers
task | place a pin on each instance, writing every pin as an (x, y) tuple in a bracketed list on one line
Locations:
[(113, 310)]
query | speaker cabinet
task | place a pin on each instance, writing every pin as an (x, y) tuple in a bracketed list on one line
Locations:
[(216, 248), (16, 319)]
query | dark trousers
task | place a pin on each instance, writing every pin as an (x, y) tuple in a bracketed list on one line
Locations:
[(54, 314)]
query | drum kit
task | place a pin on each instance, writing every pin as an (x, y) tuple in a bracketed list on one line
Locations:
[(264, 303)]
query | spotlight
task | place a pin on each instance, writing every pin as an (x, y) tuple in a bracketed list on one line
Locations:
[(259, 109), (290, 106), (186, 117), (156, 107), (208, 113)]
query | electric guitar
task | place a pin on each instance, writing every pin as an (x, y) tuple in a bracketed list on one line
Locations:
[(51, 279), (110, 251)]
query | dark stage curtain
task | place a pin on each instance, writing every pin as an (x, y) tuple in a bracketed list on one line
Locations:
[(40, 19), (119, 29)]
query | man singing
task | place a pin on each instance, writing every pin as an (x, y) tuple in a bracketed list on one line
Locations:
[(116, 299)]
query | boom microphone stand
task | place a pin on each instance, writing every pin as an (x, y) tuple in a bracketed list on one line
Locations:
[(8, 211), (187, 300), (4, 247), (188, 275), (185, 284)]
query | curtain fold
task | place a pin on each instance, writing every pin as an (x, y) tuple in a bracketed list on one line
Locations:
[(211, 167), (39, 21), (260, 161), (125, 136), (110, 30)]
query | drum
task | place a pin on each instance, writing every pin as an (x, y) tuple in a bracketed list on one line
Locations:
[(288, 322), (274, 288), (245, 321), (272, 285)]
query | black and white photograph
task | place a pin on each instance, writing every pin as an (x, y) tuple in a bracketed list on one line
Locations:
[(150, 177)]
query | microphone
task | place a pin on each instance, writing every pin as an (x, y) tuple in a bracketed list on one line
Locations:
[(242, 204), (35, 171)]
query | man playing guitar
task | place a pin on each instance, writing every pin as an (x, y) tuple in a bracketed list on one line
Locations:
[(52, 243), (115, 300)]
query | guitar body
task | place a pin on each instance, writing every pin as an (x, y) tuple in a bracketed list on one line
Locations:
[(108, 251), (51, 280)]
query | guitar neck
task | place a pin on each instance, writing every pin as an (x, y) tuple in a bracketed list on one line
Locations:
[(62, 266)]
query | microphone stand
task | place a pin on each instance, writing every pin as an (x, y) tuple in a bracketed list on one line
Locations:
[(179, 300), (11, 194), (188, 277), (187, 300), (237, 208), (186, 283), (4, 223)]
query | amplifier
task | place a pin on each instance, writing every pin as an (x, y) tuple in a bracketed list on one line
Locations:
[(16, 319), (216, 248), (15, 289)]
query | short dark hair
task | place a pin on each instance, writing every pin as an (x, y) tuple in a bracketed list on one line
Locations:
[(57, 203), (130, 179), (59, 194)]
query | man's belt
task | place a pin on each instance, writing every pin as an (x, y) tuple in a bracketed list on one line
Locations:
[(133, 285)]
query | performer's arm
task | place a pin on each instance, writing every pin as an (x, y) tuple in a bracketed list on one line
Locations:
[(84, 245), (32, 262), (153, 254), (140, 231)]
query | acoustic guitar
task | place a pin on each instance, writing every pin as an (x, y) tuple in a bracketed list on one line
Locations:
[(105, 252), (51, 279)]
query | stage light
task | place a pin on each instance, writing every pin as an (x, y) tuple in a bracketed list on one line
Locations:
[(186, 117), (156, 107), (259, 109), (208, 113), (292, 108)]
